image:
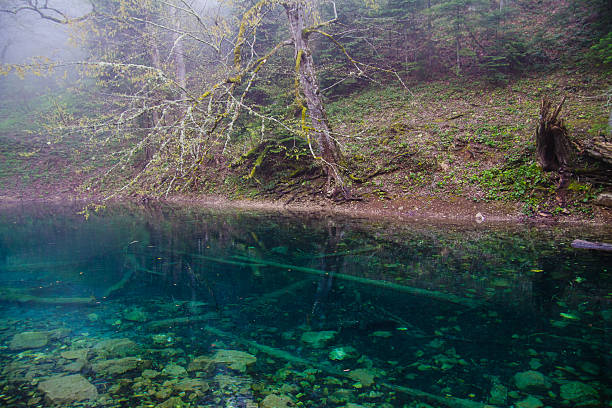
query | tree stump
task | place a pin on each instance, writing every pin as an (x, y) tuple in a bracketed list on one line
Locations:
[(552, 145)]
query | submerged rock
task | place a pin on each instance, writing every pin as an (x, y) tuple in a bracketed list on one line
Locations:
[(362, 376), (174, 402), (29, 340), (77, 354), (318, 339), (342, 353), (531, 381), (136, 315), (341, 396), (164, 340), (580, 393), (277, 401), (530, 402), (119, 366), (499, 395), (192, 385), (234, 359), (62, 390), (201, 363), (174, 370), (75, 366), (117, 348), (150, 374), (382, 333)]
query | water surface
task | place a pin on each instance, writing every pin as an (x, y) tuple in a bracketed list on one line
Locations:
[(210, 308)]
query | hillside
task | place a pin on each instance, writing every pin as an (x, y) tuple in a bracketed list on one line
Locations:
[(442, 148)]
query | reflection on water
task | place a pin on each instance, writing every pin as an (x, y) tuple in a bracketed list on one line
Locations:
[(199, 308)]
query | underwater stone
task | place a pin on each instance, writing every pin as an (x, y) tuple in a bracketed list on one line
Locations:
[(342, 353), (29, 340), (67, 389), (589, 368), (174, 402), (529, 402), (201, 363), (499, 394), (174, 370), (78, 354), (234, 359), (531, 381), (162, 339), (136, 315), (318, 339), (382, 333), (119, 366), (341, 396), (75, 366), (277, 401), (191, 385), (117, 347), (580, 393), (363, 376), (58, 334), (148, 373), (534, 364)]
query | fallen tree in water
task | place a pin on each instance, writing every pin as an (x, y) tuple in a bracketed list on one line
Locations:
[(598, 246), (18, 296)]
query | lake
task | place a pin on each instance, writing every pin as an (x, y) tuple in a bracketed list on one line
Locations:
[(178, 306)]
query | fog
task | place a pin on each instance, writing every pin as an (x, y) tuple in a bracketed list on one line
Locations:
[(26, 35)]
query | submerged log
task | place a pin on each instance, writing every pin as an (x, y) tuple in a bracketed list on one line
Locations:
[(11, 295), (184, 320), (372, 282), (449, 402), (598, 246)]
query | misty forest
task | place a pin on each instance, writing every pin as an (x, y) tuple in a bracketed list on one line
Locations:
[(306, 203)]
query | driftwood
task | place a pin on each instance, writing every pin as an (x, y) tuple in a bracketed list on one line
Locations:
[(372, 282), (450, 402), (220, 260), (281, 292), (178, 321), (11, 295), (345, 253), (598, 246), (40, 266), (130, 265)]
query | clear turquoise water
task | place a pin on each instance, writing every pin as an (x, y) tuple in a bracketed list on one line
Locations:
[(436, 314)]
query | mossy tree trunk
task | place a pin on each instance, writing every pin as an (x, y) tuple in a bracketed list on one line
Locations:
[(328, 150)]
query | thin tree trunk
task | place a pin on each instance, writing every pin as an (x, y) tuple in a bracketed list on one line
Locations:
[(155, 59), (328, 149), (179, 60)]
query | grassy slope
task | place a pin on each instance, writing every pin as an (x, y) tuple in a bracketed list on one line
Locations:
[(451, 138), (474, 141)]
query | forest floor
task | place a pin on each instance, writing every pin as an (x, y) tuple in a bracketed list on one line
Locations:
[(444, 150)]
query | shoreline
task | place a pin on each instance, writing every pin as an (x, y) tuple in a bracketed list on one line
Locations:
[(415, 209)]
